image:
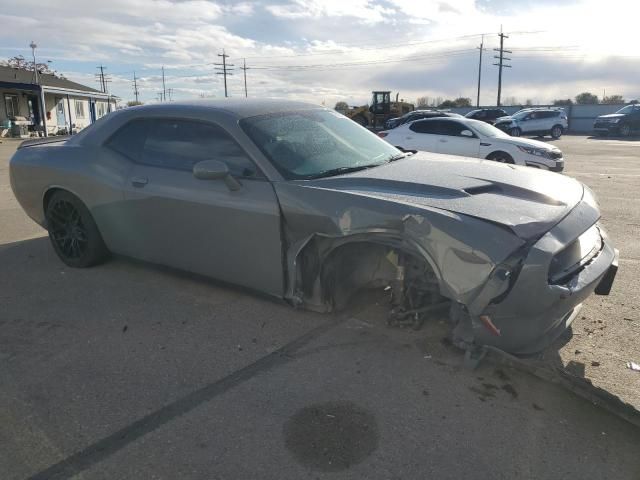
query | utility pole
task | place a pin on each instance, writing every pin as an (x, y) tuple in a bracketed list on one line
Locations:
[(480, 71), (164, 88), (500, 63), (100, 78), (135, 86), (244, 69), (224, 70)]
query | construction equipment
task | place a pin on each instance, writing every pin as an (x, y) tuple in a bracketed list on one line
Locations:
[(381, 109)]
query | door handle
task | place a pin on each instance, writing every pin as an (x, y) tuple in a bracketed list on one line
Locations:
[(443, 140), (485, 144), (139, 181)]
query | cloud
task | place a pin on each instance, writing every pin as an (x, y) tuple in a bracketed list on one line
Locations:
[(334, 49)]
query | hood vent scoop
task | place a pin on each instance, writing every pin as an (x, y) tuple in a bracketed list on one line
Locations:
[(513, 191)]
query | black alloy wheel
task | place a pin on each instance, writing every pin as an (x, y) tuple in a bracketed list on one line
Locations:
[(73, 232)]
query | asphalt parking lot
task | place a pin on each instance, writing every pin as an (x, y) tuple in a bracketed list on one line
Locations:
[(131, 371)]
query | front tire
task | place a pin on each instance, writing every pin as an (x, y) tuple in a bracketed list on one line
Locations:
[(625, 130), (500, 157), (73, 233), (515, 132), (361, 120), (556, 132)]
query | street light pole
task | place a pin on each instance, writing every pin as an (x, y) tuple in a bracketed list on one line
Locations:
[(35, 67)]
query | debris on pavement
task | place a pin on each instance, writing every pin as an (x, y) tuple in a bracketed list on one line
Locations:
[(633, 366)]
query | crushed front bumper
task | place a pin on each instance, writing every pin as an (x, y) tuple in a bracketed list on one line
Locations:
[(534, 312)]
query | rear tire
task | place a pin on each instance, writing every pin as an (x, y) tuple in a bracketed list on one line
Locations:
[(73, 233), (500, 157), (556, 131), (515, 132)]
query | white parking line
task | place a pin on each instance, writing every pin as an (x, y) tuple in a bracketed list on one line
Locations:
[(569, 172)]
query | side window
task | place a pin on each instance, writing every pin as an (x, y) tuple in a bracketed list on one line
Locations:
[(425, 126), (180, 144), (453, 129), (129, 139)]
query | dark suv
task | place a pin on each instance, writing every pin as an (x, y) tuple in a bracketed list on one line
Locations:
[(624, 122), (416, 115), (488, 115)]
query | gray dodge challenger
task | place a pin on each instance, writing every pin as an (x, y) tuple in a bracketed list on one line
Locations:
[(301, 203)]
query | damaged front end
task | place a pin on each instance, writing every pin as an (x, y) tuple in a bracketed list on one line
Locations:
[(496, 283)]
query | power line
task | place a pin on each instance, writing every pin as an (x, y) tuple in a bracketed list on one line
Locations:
[(447, 54), (501, 58), (224, 70)]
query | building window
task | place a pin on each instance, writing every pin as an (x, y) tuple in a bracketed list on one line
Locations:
[(100, 109), (11, 105), (79, 108)]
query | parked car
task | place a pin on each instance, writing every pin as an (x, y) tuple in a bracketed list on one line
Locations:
[(535, 121), (417, 115), (488, 115), (473, 138), (624, 122), (300, 202)]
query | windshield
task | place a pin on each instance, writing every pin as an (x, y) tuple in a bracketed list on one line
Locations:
[(472, 113), (487, 130), (314, 143), (627, 109)]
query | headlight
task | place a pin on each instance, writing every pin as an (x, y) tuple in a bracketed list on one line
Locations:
[(538, 152), (614, 120)]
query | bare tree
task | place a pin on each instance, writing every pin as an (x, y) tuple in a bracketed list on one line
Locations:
[(341, 106), (613, 99), (586, 98), (22, 63)]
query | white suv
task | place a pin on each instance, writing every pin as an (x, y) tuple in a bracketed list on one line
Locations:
[(473, 138), (535, 121)]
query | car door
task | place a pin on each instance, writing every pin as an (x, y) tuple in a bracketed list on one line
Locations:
[(202, 226), (533, 122), (452, 141), (634, 118), (420, 135)]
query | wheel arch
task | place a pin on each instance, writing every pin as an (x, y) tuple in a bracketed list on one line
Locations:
[(495, 153), (50, 191), (329, 270)]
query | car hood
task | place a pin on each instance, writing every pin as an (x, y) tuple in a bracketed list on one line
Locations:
[(528, 142), (508, 118), (612, 115), (528, 201)]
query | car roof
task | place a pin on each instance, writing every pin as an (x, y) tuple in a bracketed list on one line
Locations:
[(240, 107)]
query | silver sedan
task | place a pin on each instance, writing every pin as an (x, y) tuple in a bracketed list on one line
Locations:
[(297, 201)]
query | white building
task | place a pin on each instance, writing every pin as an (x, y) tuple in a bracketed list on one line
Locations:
[(68, 106)]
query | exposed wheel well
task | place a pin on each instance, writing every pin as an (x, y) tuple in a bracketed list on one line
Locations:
[(330, 276)]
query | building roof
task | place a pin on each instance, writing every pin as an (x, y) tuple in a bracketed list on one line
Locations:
[(19, 75)]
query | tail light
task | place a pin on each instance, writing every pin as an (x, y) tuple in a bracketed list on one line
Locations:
[(383, 134)]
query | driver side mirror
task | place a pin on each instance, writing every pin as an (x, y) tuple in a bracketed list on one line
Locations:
[(466, 133), (215, 170)]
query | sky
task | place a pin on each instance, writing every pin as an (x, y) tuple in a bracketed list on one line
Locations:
[(326, 51)]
